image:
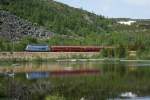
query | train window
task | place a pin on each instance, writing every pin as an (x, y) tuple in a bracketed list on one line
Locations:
[(43, 48)]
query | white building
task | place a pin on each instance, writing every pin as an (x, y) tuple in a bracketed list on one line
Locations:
[(127, 22)]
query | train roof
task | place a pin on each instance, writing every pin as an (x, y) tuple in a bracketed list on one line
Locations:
[(37, 45), (86, 46)]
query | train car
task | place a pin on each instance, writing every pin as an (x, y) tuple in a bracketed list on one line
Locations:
[(75, 48), (37, 48), (46, 48)]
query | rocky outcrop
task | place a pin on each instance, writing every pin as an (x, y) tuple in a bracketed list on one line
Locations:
[(14, 28)]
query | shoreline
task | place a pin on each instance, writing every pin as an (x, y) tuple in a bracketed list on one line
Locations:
[(74, 60), (103, 59), (61, 57)]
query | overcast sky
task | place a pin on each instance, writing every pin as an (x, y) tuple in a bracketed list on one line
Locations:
[(114, 8)]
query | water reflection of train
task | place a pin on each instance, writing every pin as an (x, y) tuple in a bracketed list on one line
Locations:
[(46, 48), (60, 73), (57, 73)]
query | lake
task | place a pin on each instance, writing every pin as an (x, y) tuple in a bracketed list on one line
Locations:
[(102, 80)]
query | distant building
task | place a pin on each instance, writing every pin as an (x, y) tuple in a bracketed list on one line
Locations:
[(127, 22)]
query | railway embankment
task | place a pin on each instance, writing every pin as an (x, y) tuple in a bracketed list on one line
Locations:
[(31, 56)]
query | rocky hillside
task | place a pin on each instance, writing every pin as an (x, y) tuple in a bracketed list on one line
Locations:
[(54, 16), (14, 28)]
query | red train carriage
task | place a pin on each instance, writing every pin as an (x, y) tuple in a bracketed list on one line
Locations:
[(75, 48)]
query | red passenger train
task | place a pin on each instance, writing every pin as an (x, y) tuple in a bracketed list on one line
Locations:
[(75, 48), (46, 48)]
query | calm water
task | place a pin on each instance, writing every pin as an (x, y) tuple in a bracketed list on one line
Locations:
[(75, 80)]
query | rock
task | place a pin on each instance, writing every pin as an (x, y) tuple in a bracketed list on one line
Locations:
[(14, 28), (128, 95)]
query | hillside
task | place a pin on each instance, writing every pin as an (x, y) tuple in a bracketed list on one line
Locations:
[(57, 17), (70, 26)]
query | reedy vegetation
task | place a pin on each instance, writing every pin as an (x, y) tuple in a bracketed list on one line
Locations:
[(110, 83)]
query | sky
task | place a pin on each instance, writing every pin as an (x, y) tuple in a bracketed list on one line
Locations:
[(114, 8)]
